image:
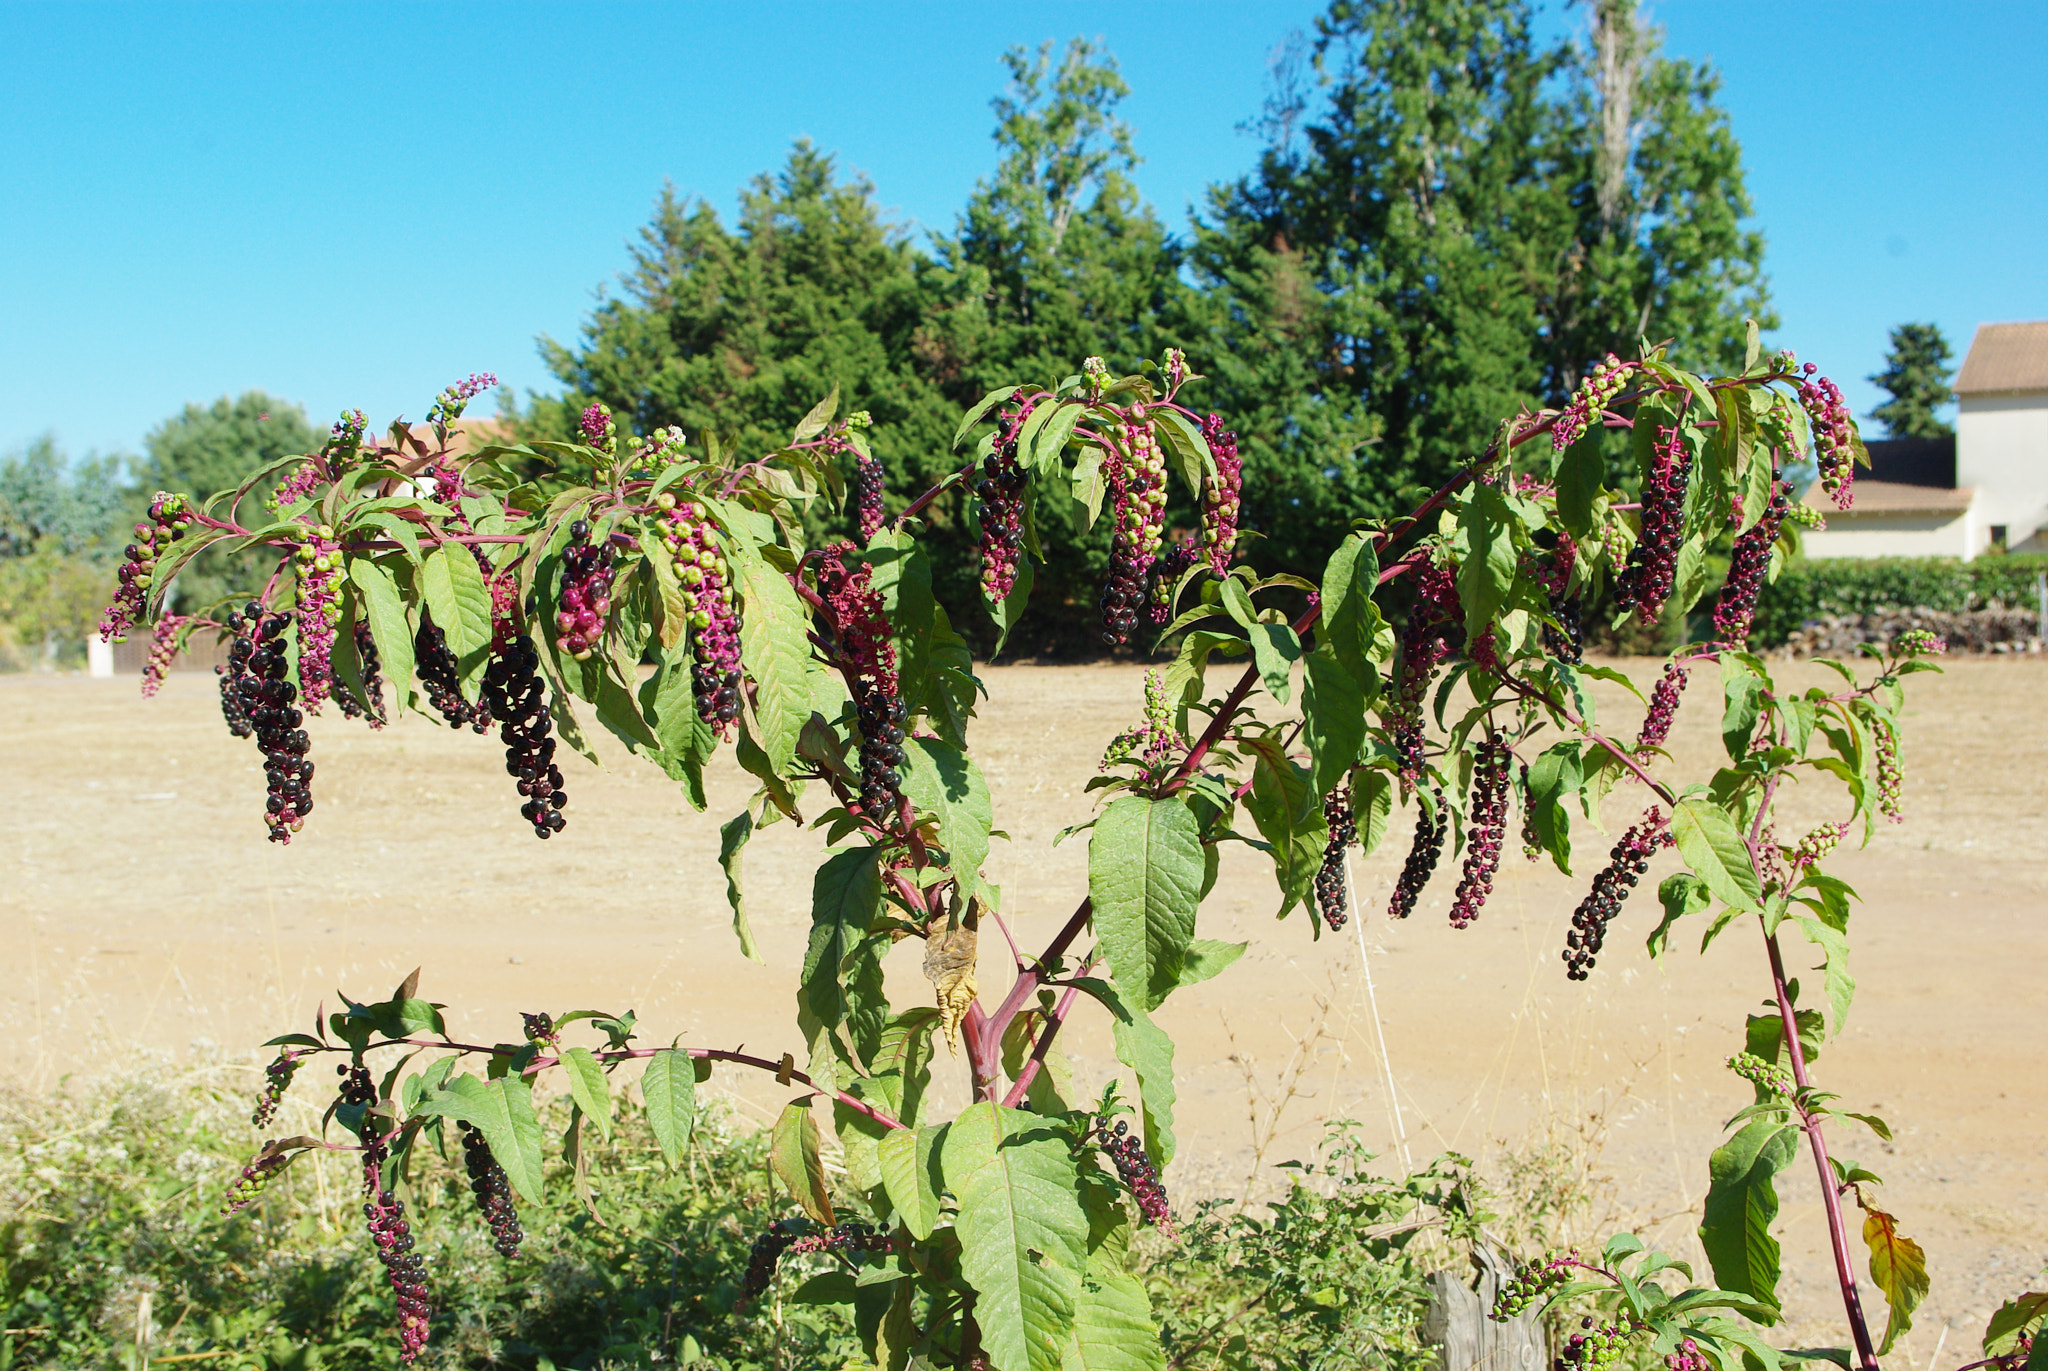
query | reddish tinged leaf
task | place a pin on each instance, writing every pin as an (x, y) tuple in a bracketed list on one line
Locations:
[(1898, 1267)]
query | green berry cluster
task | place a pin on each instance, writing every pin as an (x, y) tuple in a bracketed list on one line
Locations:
[(1532, 1284), (1766, 1076)]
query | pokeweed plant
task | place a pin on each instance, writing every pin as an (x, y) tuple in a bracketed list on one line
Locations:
[(1438, 661)]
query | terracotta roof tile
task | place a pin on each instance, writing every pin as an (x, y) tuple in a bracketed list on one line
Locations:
[(2005, 358), (1890, 497)]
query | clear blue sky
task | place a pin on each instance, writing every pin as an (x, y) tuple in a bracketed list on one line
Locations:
[(353, 205)]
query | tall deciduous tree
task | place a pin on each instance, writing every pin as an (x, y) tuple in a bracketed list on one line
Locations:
[(1916, 375)]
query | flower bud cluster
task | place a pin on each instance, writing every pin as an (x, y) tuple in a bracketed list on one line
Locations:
[(1816, 846), (493, 1190), (277, 1078), (169, 518), (586, 591), (1827, 414), (1768, 1077), (257, 659), (163, 650), (441, 678), (706, 577), (1332, 889), (1531, 1285), (371, 706), (318, 602), (1432, 825), (1645, 582), (513, 695), (1001, 513), (1919, 642), (1222, 495), (867, 495), (1735, 610), (450, 403), (869, 659), (1174, 367), (254, 1180), (1127, 1153), (1611, 886), (1688, 1357), (1137, 480), (1486, 826), (1663, 707), (1591, 399), (1599, 1347), (1152, 743), (1425, 642), (1890, 777), (1095, 372)]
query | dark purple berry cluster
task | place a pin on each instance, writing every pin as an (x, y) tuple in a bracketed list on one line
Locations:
[(869, 657), (1531, 1285), (1432, 826), (266, 698), (1001, 512), (277, 1078), (1425, 642), (1663, 707), (586, 592), (231, 708), (404, 1268), (795, 1235), (1486, 827), (493, 1191), (1127, 1153), (441, 678), (867, 496), (1332, 889), (1551, 568), (170, 516), (1532, 844), (1645, 582), (512, 694), (1611, 886), (1827, 415), (371, 706), (1747, 564), (1136, 471)]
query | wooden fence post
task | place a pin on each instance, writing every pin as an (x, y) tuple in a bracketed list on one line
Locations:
[(1456, 1321)]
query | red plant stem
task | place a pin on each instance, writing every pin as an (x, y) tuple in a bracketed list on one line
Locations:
[(1044, 1044), (1527, 691)]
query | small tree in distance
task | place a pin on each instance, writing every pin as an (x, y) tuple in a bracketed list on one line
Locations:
[(1916, 374)]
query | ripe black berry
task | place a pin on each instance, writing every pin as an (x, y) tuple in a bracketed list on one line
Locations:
[(1611, 886), (371, 706), (1485, 830), (869, 659), (512, 693), (1432, 825), (1332, 890), (493, 1191), (266, 698), (441, 677), (1127, 1153)]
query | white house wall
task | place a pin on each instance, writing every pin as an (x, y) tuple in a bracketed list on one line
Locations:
[(1894, 535), (2002, 449)]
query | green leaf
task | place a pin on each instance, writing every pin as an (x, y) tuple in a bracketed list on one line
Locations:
[(1023, 1232), (461, 605), (1708, 841), (1372, 806), (1742, 1200), (1488, 567), (1333, 708), (732, 837), (1145, 880), (1581, 470), (1051, 440), (776, 653), (1898, 1267), (941, 779), (1276, 648), (2015, 1317), (589, 1088), (1144, 1046), (1207, 957), (670, 1089), (173, 560), (1682, 893), (503, 1110), (907, 1174), (1113, 1327), (1350, 622), (846, 894), (1839, 984), (384, 608), (793, 1156), (1553, 776), (1742, 693), (981, 408), (1283, 805)]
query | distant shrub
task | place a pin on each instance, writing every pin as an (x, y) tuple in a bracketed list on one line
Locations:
[(1810, 589)]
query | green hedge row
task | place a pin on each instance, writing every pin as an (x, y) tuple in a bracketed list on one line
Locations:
[(1809, 590)]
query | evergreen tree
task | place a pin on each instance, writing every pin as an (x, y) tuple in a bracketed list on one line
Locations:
[(1916, 375)]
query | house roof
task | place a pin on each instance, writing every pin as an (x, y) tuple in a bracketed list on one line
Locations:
[(2005, 358), (1914, 461), (1892, 497)]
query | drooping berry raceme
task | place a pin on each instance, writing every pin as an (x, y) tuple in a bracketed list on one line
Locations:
[(869, 665), (1127, 1153), (404, 1268), (1333, 896), (1425, 643), (163, 650), (1001, 511), (450, 403), (233, 708), (1174, 560), (706, 578), (320, 574), (268, 699), (867, 495), (1532, 1284), (1174, 367), (256, 1177), (1827, 414), (1735, 610), (169, 518), (1155, 744), (1598, 1347), (1532, 843), (1645, 582), (371, 706), (513, 695), (1817, 845), (1919, 642), (1552, 569), (493, 1191), (441, 678), (1486, 827), (792, 1236), (1768, 1077), (586, 592), (1432, 825), (1663, 707), (1589, 401), (1611, 886), (1890, 777), (277, 1078), (1136, 471), (1222, 495)]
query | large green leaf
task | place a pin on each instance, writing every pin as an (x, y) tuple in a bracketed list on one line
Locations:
[(846, 893), (455, 592), (1487, 569), (907, 1174), (1145, 880), (1350, 620), (1144, 1047), (1289, 817), (503, 1111), (1333, 708), (384, 608), (589, 1088), (670, 1089), (940, 778), (1712, 847), (776, 651), (794, 1157), (1742, 1200), (1113, 1328), (1023, 1232), (1275, 650), (1553, 777), (732, 839)]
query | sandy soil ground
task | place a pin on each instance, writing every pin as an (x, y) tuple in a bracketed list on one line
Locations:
[(141, 907)]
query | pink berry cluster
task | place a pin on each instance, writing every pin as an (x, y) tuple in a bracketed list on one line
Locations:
[(1127, 1154), (1425, 642), (1688, 1357), (1645, 583), (1890, 776), (318, 605), (163, 650), (404, 1268), (869, 660), (1332, 890), (1222, 495), (1611, 886), (1001, 512), (169, 517), (1735, 610), (1817, 845), (1486, 827), (659, 448), (1920, 642), (1590, 400), (1153, 744), (277, 1078), (599, 430), (1432, 826), (1532, 1284), (492, 1189), (256, 1177), (1137, 480), (1827, 414), (305, 478), (585, 596), (706, 577), (450, 403), (1663, 707)]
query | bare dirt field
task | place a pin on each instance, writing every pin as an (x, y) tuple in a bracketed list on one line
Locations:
[(140, 905)]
